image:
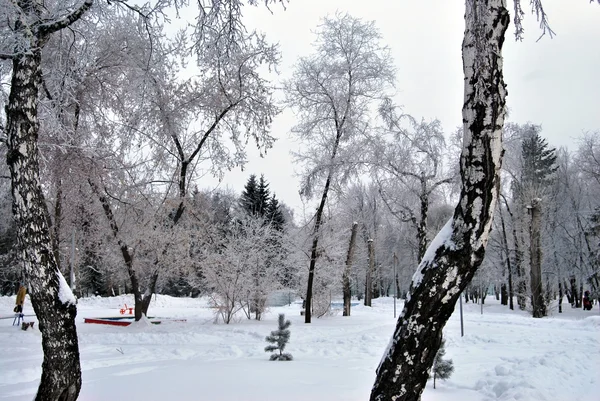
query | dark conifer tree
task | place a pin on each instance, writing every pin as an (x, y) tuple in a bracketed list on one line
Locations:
[(274, 214), (262, 197), (279, 338), (442, 368), (249, 196), (539, 162)]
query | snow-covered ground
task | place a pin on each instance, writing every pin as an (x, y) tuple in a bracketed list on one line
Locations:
[(503, 355)]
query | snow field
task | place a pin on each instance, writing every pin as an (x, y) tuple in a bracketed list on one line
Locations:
[(504, 355)]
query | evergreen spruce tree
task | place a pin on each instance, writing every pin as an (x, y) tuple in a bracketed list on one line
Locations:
[(274, 214), (537, 175), (262, 196), (539, 162), (280, 337), (249, 195), (442, 368)]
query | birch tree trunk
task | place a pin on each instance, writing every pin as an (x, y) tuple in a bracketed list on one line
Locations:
[(424, 211), (52, 300), (457, 251), (348, 270)]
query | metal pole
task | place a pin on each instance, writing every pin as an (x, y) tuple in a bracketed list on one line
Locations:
[(72, 270), (482, 301), (462, 329), (395, 285)]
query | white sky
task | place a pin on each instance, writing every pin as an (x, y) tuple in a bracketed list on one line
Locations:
[(553, 82)]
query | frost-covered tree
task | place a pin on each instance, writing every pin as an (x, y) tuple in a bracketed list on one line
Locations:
[(410, 155), (457, 251), (26, 28), (332, 92), (455, 254), (241, 266), (279, 339), (532, 187), (442, 368)]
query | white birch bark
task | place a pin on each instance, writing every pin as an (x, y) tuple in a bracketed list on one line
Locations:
[(51, 297), (455, 254)]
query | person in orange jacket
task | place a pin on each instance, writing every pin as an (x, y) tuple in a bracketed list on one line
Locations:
[(20, 298)]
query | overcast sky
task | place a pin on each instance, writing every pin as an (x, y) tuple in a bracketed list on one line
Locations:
[(552, 82)]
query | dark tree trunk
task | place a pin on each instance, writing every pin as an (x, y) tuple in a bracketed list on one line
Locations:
[(56, 224), (368, 278), (451, 263), (424, 210), (537, 294), (503, 294), (560, 296), (575, 298), (508, 257), (125, 252), (348, 270), (314, 252), (61, 371), (511, 293), (376, 281), (521, 283), (149, 292)]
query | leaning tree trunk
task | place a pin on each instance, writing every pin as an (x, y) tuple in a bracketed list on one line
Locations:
[(457, 251), (348, 270), (424, 212), (316, 229), (314, 252), (145, 304), (61, 371)]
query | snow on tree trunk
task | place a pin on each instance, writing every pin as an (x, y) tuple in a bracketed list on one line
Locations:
[(457, 251), (348, 270), (61, 371)]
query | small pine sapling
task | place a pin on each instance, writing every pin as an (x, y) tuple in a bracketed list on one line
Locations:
[(442, 368), (280, 337)]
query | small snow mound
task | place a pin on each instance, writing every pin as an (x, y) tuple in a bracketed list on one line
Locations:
[(591, 321), (500, 388), (502, 370), (144, 324)]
